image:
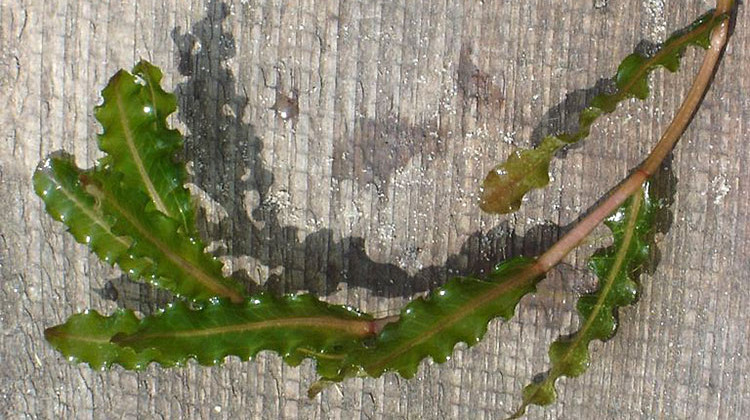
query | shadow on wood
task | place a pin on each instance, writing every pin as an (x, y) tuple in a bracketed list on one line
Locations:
[(227, 161)]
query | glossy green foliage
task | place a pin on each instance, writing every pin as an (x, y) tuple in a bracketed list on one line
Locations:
[(618, 268), (86, 338), (112, 207), (133, 210), (505, 185), (140, 145), (456, 312), (525, 169), (295, 326), (58, 181)]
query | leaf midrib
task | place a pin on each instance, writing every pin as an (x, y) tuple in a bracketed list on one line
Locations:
[(359, 328), (91, 215), (210, 282), (130, 142), (59, 333), (630, 226)]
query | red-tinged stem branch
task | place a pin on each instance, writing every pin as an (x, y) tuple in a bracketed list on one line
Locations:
[(649, 166), (634, 181)]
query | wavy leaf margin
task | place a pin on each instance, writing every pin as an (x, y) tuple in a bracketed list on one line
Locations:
[(114, 207), (618, 268), (294, 326)]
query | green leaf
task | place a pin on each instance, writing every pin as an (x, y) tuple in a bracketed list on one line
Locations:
[(295, 327), (58, 181), (177, 262), (86, 337), (618, 268), (113, 208), (456, 312), (140, 146), (505, 185), (111, 220), (525, 169)]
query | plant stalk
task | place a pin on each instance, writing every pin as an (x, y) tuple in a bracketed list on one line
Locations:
[(669, 139), (635, 180)]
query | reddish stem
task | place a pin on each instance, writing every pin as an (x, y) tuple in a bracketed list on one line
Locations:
[(635, 180)]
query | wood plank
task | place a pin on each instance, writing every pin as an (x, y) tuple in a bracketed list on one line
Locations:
[(368, 196)]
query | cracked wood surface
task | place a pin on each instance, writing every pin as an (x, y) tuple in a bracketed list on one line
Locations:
[(337, 147)]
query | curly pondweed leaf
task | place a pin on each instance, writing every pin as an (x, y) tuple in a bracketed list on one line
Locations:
[(58, 181), (140, 145), (99, 212), (617, 268), (506, 184), (111, 210), (525, 169), (176, 262), (86, 337), (294, 326), (457, 312)]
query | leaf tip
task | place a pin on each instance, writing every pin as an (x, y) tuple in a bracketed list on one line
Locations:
[(53, 334), (496, 196), (317, 387)]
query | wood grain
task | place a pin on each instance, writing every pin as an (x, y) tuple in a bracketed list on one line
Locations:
[(368, 195)]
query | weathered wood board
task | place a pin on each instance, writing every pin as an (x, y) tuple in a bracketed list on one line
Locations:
[(368, 195)]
